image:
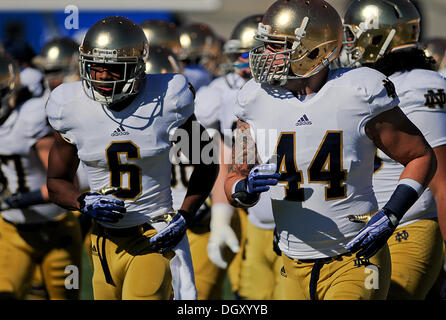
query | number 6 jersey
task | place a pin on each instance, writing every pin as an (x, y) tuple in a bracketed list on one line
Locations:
[(127, 148), (323, 154)]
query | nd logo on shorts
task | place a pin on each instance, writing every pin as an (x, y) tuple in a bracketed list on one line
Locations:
[(372, 280)]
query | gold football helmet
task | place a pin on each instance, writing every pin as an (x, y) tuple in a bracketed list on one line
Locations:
[(162, 60), (242, 39), (113, 42), (9, 85), (162, 33), (59, 59), (198, 43), (374, 28), (436, 48), (305, 37)]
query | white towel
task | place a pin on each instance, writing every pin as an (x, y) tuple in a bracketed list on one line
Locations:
[(183, 279), (181, 268)]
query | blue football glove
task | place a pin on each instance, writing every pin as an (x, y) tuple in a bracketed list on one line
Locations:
[(374, 235), (171, 235), (101, 207), (261, 177)]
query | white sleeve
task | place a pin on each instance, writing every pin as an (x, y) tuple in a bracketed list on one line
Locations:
[(380, 96), (432, 125), (56, 117)]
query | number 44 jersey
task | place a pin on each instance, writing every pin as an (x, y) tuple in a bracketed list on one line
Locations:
[(127, 148), (323, 154)]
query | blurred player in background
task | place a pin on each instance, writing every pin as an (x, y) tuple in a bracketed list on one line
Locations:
[(162, 33), (23, 53), (436, 48), (199, 49), (33, 231), (416, 245)]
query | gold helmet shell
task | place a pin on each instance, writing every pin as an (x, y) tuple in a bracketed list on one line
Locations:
[(59, 58), (242, 36), (198, 41), (116, 41), (9, 85), (162, 33), (162, 60), (378, 27), (308, 33), (436, 48)]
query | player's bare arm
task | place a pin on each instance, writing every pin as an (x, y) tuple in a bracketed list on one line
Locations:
[(438, 186), (62, 166), (202, 178), (401, 140)]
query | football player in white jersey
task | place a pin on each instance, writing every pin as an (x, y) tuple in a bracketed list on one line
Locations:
[(120, 123), (258, 276), (309, 134), (198, 44), (416, 246), (34, 233)]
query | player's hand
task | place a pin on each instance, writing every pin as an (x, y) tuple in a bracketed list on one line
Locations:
[(221, 235), (171, 235), (373, 236), (261, 177), (101, 207)]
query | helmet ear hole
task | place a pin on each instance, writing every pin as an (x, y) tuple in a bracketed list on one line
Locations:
[(376, 40), (314, 54)]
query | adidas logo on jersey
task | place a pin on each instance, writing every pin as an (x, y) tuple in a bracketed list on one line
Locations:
[(120, 131), (303, 121)]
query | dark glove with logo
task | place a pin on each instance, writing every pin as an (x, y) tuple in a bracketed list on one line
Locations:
[(171, 235), (374, 235), (101, 207)]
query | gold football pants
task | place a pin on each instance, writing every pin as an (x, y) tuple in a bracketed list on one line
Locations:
[(417, 253), (54, 246), (238, 224), (260, 277), (125, 268), (347, 278), (208, 277)]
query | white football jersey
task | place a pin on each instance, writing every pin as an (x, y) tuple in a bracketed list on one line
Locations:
[(129, 148), (442, 72), (422, 98), (324, 156), (198, 76), (20, 164)]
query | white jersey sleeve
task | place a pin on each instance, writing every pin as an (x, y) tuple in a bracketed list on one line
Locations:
[(182, 97), (56, 112)]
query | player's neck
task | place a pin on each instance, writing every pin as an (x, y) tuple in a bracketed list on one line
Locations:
[(306, 86)]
